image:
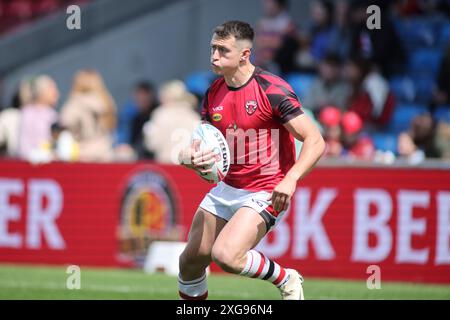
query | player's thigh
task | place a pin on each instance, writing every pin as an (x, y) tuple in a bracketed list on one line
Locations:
[(204, 230), (242, 233)]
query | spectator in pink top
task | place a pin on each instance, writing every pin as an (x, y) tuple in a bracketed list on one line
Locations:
[(37, 117)]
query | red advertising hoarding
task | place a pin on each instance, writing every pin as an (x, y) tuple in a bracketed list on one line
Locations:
[(341, 221)]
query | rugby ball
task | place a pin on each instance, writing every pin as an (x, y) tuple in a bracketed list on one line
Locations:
[(211, 138)]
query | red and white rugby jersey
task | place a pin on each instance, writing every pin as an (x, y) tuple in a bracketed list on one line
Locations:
[(251, 117)]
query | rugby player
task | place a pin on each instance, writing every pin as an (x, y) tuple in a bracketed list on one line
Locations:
[(240, 210)]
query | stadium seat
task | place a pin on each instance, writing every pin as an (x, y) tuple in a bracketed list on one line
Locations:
[(403, 88), (403, 115), (300, 82), (423, 85), (416, 32), (199, 81), (442, 113), (425, 60), (444, 36), (385, 141)]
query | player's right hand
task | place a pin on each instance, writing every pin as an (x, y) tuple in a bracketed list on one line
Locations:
[(196, 159)]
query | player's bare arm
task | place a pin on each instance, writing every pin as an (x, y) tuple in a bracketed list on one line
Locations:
[(303, 129)]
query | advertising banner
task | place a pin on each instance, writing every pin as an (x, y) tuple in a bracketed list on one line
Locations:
[(343, 222)]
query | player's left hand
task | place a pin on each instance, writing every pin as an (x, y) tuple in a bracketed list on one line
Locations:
[(282, 193)]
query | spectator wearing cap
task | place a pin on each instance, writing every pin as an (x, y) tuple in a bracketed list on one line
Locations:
[(356, 144), (329, 88), (330, 118)]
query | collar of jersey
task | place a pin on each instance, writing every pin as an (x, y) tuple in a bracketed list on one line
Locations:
[(245, 84)]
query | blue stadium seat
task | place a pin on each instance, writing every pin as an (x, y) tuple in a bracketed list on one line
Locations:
[(300, 82), (416, 32), (444, 36), (423, 85), (425, 61), (199, 81), (442, 113), (403, 115), (403, 88), (385, 141)]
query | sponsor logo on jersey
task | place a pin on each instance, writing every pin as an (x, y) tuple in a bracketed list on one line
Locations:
[(217, 117), (251, 106), (219, 108)]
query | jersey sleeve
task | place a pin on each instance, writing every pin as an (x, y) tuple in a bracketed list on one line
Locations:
[(284, 102)]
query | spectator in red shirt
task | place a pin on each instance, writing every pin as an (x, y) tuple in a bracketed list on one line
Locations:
[(330, 118), (356, 144)]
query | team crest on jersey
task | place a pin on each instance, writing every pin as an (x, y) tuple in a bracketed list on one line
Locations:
[(251, 106)]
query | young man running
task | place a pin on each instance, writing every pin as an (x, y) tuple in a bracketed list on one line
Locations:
[(260, 114)]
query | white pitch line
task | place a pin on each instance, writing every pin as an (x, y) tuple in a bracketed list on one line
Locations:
[(102, 288)]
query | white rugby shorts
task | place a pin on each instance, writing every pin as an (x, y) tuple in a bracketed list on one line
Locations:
[(224, 200)]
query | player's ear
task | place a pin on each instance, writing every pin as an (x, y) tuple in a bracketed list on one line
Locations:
[(245, 54)]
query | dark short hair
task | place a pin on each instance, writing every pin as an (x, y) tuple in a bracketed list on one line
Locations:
[(240, 30), (144, 86), (283, 4), (363, 63), (332, 59)]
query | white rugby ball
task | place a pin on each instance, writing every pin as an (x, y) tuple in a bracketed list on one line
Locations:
[(211, 138)]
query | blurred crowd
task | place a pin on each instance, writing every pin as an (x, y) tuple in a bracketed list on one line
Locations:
[(89, 127), (377, 95)]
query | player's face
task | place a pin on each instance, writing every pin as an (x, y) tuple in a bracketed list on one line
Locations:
[(225, 55)]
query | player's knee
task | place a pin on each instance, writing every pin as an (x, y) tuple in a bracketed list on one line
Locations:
[(224, 258)]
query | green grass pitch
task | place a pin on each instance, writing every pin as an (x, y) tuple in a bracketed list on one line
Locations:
[(45, 282)]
